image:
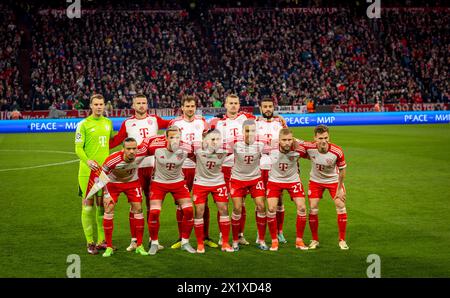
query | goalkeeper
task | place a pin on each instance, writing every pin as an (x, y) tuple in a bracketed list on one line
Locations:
[(92, 147)]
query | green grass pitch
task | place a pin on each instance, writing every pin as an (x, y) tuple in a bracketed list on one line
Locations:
[(398, 202)]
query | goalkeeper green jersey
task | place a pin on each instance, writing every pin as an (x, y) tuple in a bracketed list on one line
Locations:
[(92, 141)]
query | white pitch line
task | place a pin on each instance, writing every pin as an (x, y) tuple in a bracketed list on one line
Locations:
[(39, 151), (39, 166)]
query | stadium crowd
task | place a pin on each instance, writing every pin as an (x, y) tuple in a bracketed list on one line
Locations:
[(10, 88), (331, 58)]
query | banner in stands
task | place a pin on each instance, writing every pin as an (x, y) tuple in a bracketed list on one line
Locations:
[(384, 108), (55, 114), (293, 120), (291, 109)]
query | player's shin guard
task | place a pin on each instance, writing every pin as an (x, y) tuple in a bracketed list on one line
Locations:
[(224, 224), (342, 222), (301, 224), (108, 224), (243, 218), (235, 226), (199, 229), (180, 221), (99, 211), (314, 223), (272, 223), (87, 220), (280, 218), (132, 225), (139, 227), (153, 223), (206, 217), (261, 220), (188, 220)]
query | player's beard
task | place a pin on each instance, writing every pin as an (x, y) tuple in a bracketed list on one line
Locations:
[(268, 117)]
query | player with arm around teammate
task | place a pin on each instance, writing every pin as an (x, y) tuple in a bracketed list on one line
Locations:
[(140, 126), (122, 169), (328, 169), (170, 153), (209, 179), (284, 175)]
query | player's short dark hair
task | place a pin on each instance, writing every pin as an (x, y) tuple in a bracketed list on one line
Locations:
[(267, 99), (285, 131), (320, 129), (128, 140), (171, 129), (248, 122), (188, 98), (139, 95), (96, 96)]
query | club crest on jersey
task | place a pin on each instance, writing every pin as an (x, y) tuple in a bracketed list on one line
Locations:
[(329, 161), (180, 156), (78, 137), (220, 155), (107, 127), (291, 158), (150, 121)]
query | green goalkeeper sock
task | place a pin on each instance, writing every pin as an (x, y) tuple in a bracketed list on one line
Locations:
[(99, 211), (87, 221)]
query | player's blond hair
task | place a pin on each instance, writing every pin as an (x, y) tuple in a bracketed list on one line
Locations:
[(231, 96), (96, 96), (172, 128), (285, 131), (248, 122)]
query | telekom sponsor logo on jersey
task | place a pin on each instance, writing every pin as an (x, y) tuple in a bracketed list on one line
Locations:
[(170, 166), (248, 159), (283, 166), (210, 164), (144, 132)]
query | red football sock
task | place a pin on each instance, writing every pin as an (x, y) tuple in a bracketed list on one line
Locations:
[(206, 217), (301, 224), (280, 218), (132, 225), (153, 223), (188, 221), (235, 226), (139, 227), (261, 220), (272, 223), (180, 221), (314, 226), (108, 226), (342, 224), (243, 218), (224, 223), (198, 228)]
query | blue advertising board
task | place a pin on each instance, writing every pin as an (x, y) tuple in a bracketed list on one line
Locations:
[(293, 120)]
